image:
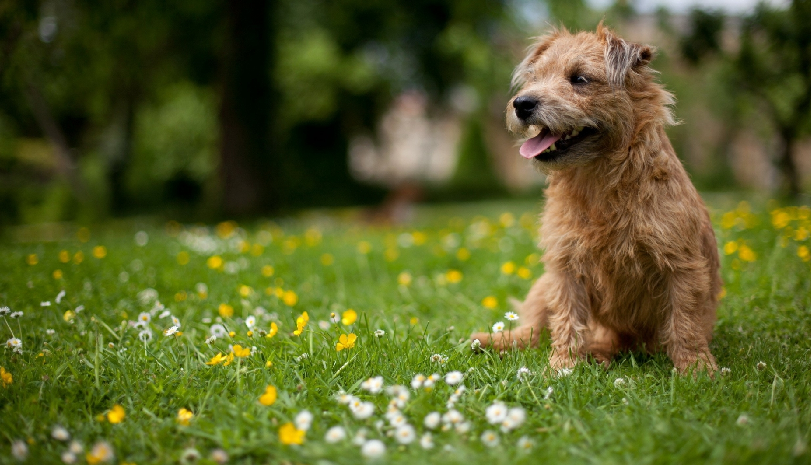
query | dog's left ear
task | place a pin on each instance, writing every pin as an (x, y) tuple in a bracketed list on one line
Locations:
[(623, 57)]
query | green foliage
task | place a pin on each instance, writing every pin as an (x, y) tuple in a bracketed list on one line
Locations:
[(400, 281)]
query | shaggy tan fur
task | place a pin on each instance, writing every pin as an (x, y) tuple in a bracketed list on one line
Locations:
[(630, 256)]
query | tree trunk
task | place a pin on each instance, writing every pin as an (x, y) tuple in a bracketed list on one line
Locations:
[(246, 169), (785, 163)]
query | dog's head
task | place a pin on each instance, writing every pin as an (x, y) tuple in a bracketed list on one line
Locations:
[(582, 96)]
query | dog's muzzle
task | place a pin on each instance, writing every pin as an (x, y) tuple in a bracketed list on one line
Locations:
[(525, 107)]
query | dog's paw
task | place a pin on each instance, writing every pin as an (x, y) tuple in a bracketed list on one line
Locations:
[(560, 361), (696, 363)]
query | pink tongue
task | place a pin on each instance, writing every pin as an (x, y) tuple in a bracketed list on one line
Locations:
[(533, 147)]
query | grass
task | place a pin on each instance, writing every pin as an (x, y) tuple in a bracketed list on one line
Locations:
[(427, 287)]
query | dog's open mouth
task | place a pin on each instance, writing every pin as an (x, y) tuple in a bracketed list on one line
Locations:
[(547, 146)]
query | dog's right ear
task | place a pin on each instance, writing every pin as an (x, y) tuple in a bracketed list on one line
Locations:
[(524, 69), (622, 57)]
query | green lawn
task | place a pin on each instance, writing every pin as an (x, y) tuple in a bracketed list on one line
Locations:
[(82, 364)]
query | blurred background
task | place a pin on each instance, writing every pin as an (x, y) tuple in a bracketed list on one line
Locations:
[(202, 110)]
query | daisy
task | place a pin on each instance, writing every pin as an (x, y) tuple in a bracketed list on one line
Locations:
[(427, 441), (59, 433), (522, 373), (68, 457), (176, 321), (452, 417), (360, 437), (101, 452), (143, 319), (432, 420), (17, 314), (490, 438), (4, 311), (475, 345), (496, 413), (373, 449), (170, 331), (379, 333), (15, 344), (398, 420), (75, 447), (464, 427), (211, 340), (304, 420), (498, 327), (335, 434), (511, 316), (405, 434), (164, 313), (219, 331), (417, 381), (250, 322), (145, 335), (517, 415), (453, 377), (525, 443), (364, 410), (19, 450), (373, 385), (219, 456), (344, 398)]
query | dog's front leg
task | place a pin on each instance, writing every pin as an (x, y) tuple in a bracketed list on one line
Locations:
[(568, 319), (684, 333)]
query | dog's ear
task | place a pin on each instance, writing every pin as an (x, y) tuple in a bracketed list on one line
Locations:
[(622, 57), (523, 70)]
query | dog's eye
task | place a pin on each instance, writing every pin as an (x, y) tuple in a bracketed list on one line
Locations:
[(578, 79)]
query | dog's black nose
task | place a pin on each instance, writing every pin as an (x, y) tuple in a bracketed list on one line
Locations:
[(524, 106)]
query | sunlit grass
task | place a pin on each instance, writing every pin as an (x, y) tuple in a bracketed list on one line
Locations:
[(182, 342)]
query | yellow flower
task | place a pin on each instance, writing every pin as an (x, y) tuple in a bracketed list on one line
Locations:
[(183, 258), (78, 257), (116, 414), (245, 291), (780, 219), (32, 259), (404, 278), (228, 359), (290, 298), (273, 330), (391, 254), (730, 247), (348, 317), (216, 360), (327, 259), (184, 416), (721, 294), (5, 377), (240, 352), (232, 334), (64, 256), (490, 302), (288, 434), (57, 274), (346, 342), (268, 364), (746, 254), (225, 229), (69, 314), (181, 296), (267, 271), (463, 254), (508, 268), (453, 276), (414, 320), (226, 311), (524, 273), (803, 253), (364, 247), (214, 262), (269, 397), (99, 251), (419, 237)]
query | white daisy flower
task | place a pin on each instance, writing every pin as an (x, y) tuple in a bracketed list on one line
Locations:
[(373, 385), (164, 314), (360, 437), (619, 382), (219, 456), (19, 450), (427, 441), (59, 433), (4, 311), (525, 443), (16, 314), (250, 322), (490, 438), (364, 410), (170, 331), (145, 335), (219, 331), (68, 457), (511, 316), (76, 447), (464, 427), (60, 296), (176, 321), (344, 398), (397, 420), (496, 413), (335, 434), (373, 449), (517, 415), (417, 381), (50, 332), (452, 417), (143, 319), (304, 420), (454, 377), (211, 340), (379, 333), (498, 327), (405, 434), (432, 420), (15, 344), (47, 303)]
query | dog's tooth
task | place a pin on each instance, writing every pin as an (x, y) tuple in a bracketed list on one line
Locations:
[(552, 147), (575, 132)]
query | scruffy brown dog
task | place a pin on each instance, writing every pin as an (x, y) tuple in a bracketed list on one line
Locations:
[(630, 255)]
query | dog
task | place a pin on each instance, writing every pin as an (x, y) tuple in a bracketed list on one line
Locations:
[(630, 261)]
